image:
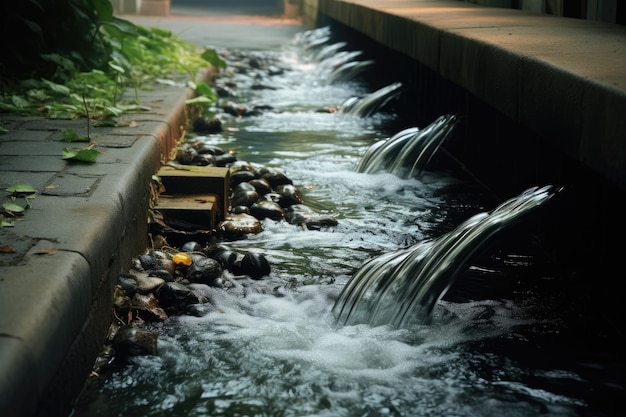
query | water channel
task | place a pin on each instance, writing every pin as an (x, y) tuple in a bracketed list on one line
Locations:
[(507, 339)]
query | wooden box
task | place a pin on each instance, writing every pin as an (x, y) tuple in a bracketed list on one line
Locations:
[(197, 181)]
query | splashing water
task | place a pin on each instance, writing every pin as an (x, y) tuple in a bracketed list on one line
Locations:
[(273, 347), (404, 286), (407, 153), (373, 102)]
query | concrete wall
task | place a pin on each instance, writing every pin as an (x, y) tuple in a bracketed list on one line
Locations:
[(543, 101), (562, 79), (601, 10)]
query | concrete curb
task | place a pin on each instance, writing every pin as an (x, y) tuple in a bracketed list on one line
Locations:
[(84, 226)]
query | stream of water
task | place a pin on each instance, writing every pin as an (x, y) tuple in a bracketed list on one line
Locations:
[(509, 341)]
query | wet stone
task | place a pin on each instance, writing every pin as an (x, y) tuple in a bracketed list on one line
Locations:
[(204, 270), (301, 214), (204, 148), (266, 209), (207, 125), (240, 210), (242, 166), (122, 304), (225, 159), (191, 246), (174, 294), (199, 310), (185, 154), (133, 341), (147, 307), (238, 225), (289, 195), (262, 186), (234, 109), (245, 198), (148, 261), (273, 196), (319, 221), (241, 176), (203, 160), (152, 260), (255, 265), (128, 284), (164, 274), (147, 284), (274, 177), (243, 186), (225, 257)]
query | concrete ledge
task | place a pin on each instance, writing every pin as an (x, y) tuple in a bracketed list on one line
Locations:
[(560, 78), (82, 229), (42, 324)]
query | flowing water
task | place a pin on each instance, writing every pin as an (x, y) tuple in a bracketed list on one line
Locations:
[(508, 340)]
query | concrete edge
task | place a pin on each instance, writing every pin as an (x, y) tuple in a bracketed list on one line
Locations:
[(574, 112), (62, 303)]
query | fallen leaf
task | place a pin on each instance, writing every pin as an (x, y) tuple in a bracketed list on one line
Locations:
[(13, 208), (21, 189), (83, 155), (46, 251), (7, 249), (71, 136)]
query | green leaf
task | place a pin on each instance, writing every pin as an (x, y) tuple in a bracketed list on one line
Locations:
[(61, 111), (104, 10), (199, 100), (203, 89), (113, 111), (71, 136), (106, 123), (19, 101), (83, 155), (3, 131), (60, 60), (33, 26), (13, 208), (5, 223), (38, 95), (8, 107), (57, 88), (211, 56), (134, 107), (121, 26), (171, 83), (161, 32), (117, 68), (21, 189)]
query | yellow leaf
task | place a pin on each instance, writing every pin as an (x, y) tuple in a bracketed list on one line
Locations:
[(7, 249), (46, 251)]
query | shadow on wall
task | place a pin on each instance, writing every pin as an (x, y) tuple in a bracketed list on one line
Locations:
[(611, 11)]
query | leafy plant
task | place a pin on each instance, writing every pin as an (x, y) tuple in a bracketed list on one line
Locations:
[(87, 154), (81, 59)]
